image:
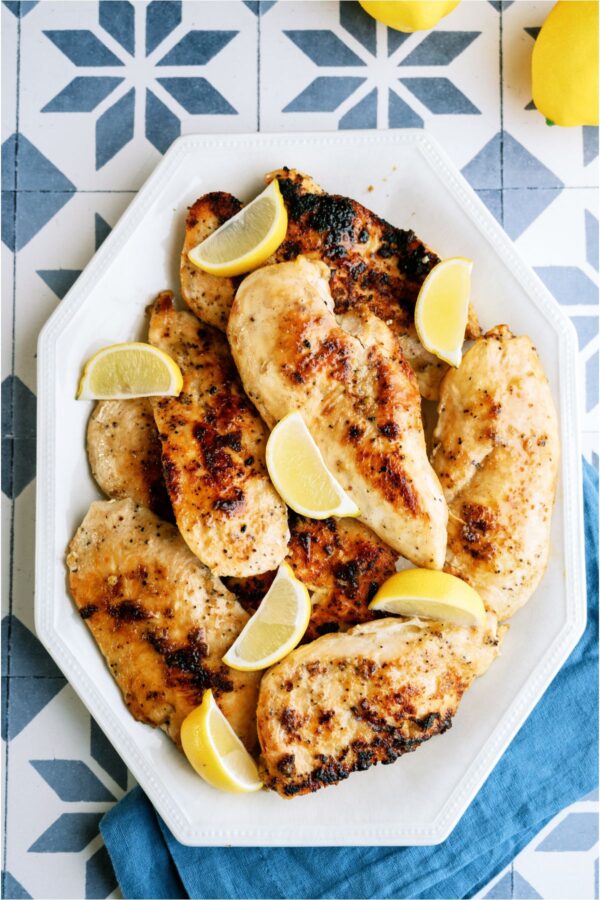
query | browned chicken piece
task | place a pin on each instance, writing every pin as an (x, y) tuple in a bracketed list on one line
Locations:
[(209, 296), (160, 618), (341, 562), (376, 269), (496, 452), (348, 701), (124, 453), (213, 452), (361, 406)]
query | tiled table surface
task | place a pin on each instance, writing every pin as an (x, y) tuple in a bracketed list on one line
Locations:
[(93, 93)]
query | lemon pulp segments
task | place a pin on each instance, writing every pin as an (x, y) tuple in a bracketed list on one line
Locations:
[(246, 241), (442, 308), (121, 371), (275, 628), (215, 751), (299, 473), (432, 594)]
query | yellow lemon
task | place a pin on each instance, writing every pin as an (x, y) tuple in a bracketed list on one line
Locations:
[(246, 241), (276, 627), (431, 594), (122, 371), (442, 308), (216, 752), (564, 64), (409, 15), (299, 473)]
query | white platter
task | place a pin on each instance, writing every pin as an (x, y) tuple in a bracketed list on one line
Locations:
[(420, 799)]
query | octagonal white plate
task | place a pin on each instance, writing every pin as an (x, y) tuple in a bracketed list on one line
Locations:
[(405, 177)]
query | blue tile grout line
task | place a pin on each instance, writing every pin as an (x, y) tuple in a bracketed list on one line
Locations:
[(258, 85), (501, 87), (12, 465)]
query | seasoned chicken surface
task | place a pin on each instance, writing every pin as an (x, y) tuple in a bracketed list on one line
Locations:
[(375, 268), (209, 296), (124, 453), (160, 618), (362, 408), (213, 452), (341, 562), (496, 452), (348, 701)]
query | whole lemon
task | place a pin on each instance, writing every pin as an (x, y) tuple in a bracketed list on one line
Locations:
[(409, 15), (564, 65)]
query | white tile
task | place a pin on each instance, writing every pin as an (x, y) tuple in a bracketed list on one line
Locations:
[(60, 731), (67, 241), (10, 26), (560, 149), (6, 262), (559, 874), (286, 71), (232, 72)]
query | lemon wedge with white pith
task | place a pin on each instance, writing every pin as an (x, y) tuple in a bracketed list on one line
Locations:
[(245, 241), (123, 371), (299, 473), (442, 308), (216, 752), (276, 627), (432, 595)]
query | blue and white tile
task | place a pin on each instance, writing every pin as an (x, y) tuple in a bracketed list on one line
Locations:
[(50, 260), (10, 26), (61, 766), (560, 861), (326, 66), (571, 153), (122, 81)]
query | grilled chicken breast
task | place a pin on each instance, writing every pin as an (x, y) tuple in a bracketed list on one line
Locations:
[(348, 701), (375, 268), (162, 621), (124, 453), (208, 296), (496, 453), (341, 562), (362, 408), (213, 452)]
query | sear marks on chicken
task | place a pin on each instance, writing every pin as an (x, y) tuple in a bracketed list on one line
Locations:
[(361, 406), (160, 618), (209, 296), (496, 452), (348, 701), (124, 453), (376, 269), (341, 562), (213, 452)]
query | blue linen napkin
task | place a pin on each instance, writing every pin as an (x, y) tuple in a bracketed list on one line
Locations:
[(552, 762)]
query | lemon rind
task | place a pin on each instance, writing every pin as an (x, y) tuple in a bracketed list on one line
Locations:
[(453, 359), (83, 392), (346, 508), (254, 258), (221, 777), (234, 661)]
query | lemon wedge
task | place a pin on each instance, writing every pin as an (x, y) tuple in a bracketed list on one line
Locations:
[(442, 308), (299, 473), (216, 752), (129, 370), (276, 627), (432, 595), (246, 241)]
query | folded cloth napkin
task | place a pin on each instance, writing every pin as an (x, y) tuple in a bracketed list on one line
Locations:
[(552, 762)]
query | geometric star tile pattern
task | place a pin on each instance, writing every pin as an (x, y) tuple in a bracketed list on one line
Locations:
[(121, 81)]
